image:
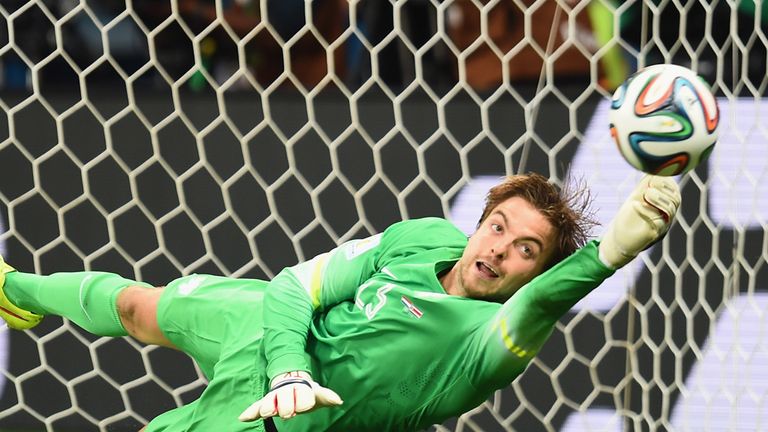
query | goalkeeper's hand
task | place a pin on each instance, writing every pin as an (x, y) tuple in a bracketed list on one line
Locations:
[(291, 393), (643, 219)]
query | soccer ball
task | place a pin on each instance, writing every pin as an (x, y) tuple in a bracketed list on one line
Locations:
[(664, 120)]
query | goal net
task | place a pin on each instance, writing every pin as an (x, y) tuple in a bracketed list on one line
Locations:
[(159, 139)]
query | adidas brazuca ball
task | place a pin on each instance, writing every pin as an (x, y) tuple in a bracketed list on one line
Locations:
[(664, 120)]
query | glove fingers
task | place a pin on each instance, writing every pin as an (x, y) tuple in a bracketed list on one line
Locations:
[(660, 182), (663, 200), (268, 406), (668, 187), (292, 394), (643, 185), (304, 398), (286, 401), (252, 412), (327, 397), (647, 212)]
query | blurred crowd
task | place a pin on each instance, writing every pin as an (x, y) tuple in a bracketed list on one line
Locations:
[(201, 40)]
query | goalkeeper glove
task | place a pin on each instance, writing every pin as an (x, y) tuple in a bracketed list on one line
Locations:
[(643, 219), (291, 393)]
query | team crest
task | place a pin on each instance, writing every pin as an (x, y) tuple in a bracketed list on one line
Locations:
[(410, 307)]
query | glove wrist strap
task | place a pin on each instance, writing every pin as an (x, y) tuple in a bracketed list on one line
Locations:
[(289, 381)]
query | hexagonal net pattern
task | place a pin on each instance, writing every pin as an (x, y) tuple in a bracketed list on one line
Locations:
[(160, 139)]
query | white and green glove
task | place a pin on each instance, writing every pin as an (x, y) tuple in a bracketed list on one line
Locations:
[(290, 394), (643, 219)]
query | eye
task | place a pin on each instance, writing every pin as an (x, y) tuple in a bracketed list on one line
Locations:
[(526, 250), (496, 228)]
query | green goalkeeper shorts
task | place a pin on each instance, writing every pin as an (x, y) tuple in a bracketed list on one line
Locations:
[(218, 322)]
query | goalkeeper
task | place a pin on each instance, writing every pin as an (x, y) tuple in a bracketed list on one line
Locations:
[(409, 327)]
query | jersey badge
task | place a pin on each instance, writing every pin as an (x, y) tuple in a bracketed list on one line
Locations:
[(410, 307)]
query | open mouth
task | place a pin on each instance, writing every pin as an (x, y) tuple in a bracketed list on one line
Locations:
[(487, 271)]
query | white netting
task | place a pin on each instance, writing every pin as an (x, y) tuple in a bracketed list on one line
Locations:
[(158, 139)]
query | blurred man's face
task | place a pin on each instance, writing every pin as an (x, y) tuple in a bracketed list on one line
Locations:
[(511, 247)]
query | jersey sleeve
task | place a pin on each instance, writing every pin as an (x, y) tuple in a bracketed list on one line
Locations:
[(297, 293), (523, 324)]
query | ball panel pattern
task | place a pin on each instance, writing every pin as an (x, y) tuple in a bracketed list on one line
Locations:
[(664, 120)]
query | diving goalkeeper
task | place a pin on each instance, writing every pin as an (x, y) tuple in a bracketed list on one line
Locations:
[(395, 332)]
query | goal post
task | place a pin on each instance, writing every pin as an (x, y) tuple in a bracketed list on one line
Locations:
[(160, 139)]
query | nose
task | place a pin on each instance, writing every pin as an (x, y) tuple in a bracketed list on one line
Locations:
[(499, 250)]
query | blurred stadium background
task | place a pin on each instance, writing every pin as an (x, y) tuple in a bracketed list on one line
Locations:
[(158, 139)]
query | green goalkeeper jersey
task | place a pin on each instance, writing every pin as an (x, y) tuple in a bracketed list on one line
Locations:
[(371, 321)]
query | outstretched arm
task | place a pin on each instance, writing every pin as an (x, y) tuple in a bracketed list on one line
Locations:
[(527, 319), (292, 298), (296, 293)]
